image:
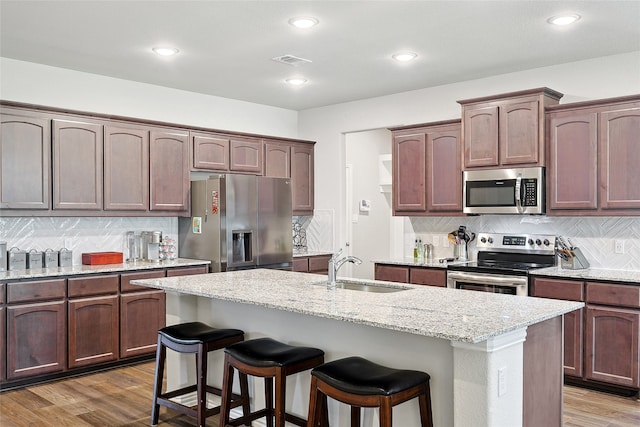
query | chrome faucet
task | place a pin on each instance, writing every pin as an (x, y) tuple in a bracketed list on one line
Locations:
[(335, 264)]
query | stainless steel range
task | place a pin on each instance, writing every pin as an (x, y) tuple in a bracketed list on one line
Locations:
[(503, 263)]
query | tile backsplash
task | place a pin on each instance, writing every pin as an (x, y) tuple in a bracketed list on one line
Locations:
[(595, 236), (79, 234)]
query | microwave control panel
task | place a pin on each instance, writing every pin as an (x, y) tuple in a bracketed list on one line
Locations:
[(530, 192)]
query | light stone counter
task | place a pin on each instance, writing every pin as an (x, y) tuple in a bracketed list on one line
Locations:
[(451, 314), (631, 276), (492, 358), (75, 270)]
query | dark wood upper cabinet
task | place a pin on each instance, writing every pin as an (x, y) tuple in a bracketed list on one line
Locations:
[(25, 160), (619, 161), (210, 152), (277, 159), (245, 155), (593, 158), (302, 179), (126, 168), (169, 170), (77, 165), (573, 160), (506, 130), (427, 170)]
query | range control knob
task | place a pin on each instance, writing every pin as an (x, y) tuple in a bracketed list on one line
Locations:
[(490, 239), (546, 242), (483, 240), (530, 242), (538, 242)]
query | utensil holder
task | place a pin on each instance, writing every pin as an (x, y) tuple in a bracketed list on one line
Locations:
[(577, 262)]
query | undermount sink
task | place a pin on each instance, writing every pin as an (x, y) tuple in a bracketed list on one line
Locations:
[(363, 287)]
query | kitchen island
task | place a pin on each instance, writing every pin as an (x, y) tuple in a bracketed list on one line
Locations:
[(494, 360)]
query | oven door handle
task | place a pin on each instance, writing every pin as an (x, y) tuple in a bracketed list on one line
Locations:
[(486, 279)]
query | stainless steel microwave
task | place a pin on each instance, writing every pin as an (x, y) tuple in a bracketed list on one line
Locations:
[(504, 191)]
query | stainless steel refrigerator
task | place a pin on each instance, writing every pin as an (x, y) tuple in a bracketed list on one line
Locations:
[(239, 222)]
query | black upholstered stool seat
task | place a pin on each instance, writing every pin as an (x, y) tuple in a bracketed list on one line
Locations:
[(357, 375), (197, 332), (271, 360), (361, 383), (266, 352), (199, 339)]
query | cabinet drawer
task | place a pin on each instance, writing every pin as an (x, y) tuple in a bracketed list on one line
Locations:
[(428, 276), (188, 271), (620, 295), (126, 278), (392, 273), (93, 285), (570, 290), (319, 264), (301, 264), (41, 290)]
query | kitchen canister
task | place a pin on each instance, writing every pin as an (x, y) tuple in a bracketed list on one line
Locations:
[(3, 256), (16, 259), (50, 258), (66, 257), (34, 259)]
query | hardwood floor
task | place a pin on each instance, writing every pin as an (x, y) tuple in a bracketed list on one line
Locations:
[(122, 397)]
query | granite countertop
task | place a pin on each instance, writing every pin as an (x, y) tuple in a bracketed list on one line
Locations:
[(452, 314), (410, 262), (304, 252), (590, 274), (107, 268)]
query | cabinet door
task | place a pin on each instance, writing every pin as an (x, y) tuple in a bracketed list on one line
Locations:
[(573, 343), (572, 177), (392, 273), (277, 159), (301, 264), (142, 314), (169, 174), (519, 138), (93, 330), (36, 339), (210, 152), (302, 179), (480, 136), (444, 170), (126, 169), (620, 159), (246, 155), (3, 347), (77, 165), (25, 160), (428, 276), (409, 173), (611, 348), (319, 264)]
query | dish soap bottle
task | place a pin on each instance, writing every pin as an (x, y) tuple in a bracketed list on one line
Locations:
[(415, 250), (420, 250)]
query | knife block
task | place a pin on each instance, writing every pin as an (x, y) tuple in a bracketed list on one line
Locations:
[(577, 262)]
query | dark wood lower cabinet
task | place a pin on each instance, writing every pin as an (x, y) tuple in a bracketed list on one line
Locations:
[(93, 330), (612, 345), (415, 275), (36, 339), (391, 273), (141, 315), (573, 343)]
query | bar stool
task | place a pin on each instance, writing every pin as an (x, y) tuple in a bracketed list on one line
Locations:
[(198, 338), (269, 359), (364, 384)]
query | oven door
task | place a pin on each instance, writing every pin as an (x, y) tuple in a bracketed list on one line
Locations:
[(495, 283)]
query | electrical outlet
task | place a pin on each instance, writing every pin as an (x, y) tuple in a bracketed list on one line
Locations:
[(445, 242), (502, 381), (619, 249), (436, 240), (67, 243)]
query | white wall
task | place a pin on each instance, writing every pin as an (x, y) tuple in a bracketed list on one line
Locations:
[(597, 78), (58, 87)]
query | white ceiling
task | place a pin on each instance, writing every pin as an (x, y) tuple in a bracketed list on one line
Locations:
[(226, 46)]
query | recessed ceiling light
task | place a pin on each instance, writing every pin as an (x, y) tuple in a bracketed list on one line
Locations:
[(165, 51), (563, 19), (303, 21), (296, 81), (404, 56)]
